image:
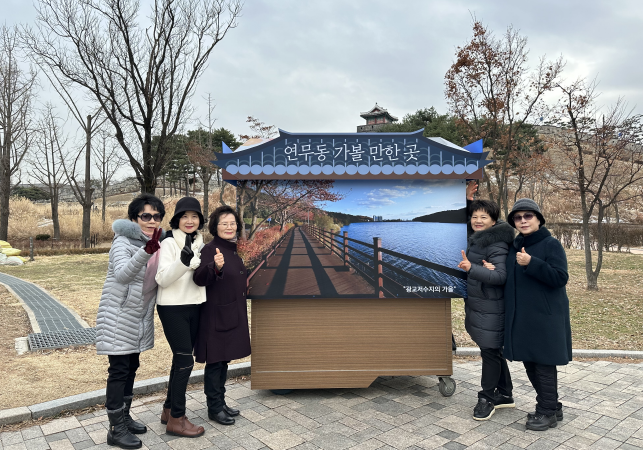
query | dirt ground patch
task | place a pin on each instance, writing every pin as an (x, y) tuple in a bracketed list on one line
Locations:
[(606, 319)]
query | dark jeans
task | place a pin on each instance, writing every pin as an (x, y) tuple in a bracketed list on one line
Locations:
[(214, 380), (180, 325), (495, 374), (120, 379), (544, 379)]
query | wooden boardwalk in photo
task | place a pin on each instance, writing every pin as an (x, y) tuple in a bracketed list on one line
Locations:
[(302, 267)]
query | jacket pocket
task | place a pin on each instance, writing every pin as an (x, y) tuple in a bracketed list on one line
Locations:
[(227, 317)]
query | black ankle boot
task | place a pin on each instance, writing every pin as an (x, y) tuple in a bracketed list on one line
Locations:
[(541, 422), (118, 433), (132, 425)]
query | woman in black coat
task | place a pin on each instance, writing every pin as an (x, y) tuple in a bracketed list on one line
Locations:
[(223, 328), (537, 325), (484, 306)]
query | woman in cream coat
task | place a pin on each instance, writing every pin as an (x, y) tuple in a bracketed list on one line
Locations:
[(178, 303)]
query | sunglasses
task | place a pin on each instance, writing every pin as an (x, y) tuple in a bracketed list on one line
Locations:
[(146, 217), (526, 216)]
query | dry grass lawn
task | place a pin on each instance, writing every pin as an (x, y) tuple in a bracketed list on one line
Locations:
[(608, 319), (37, 377)]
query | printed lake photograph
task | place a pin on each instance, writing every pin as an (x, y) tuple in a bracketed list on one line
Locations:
[(370, 238)]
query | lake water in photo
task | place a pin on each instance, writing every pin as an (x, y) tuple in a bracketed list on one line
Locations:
[(439, 243)]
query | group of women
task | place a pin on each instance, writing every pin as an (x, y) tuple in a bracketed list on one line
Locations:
[(517, 307), (200, 294)]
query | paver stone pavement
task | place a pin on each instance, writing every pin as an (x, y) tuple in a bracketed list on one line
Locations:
[(603, 409)]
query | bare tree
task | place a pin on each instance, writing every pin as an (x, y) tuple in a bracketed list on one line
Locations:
[(17, 90), (601, 159), (493, 93), (107, 160), (45, 161), (141, 74)]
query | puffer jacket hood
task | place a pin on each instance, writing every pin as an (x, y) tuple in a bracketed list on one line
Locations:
[(125, 321), (484, 305)]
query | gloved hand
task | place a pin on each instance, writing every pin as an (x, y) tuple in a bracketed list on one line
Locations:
[(153, 245), (187, 254)]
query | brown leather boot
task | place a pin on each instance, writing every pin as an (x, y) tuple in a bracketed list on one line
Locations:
[(183, 427), (164, 415)]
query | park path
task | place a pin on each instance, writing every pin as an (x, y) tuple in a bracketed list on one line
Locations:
[(603, 409), (303, 267), (55, 325)]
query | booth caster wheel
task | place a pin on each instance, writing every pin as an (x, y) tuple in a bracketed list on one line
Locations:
[(446, 386), (281, 391)]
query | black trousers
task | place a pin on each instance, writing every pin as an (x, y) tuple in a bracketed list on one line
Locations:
[(214, 379), (495, 374), (120, 379), (180, 325), (544, 379)]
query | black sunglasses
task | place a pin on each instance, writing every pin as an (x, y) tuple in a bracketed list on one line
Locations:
[(146, 217), (527, 216)]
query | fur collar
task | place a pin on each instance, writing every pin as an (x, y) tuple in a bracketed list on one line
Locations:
[(131, 230), (500, 232)]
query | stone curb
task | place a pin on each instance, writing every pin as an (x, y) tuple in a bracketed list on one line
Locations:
[(578, 353), (79, 401)]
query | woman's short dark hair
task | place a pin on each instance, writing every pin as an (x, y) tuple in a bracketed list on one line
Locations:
[(174, 222), (213, 222), (487, 206), (138, 205)]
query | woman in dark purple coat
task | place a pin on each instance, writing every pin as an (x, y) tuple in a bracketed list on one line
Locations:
[(223, 328)]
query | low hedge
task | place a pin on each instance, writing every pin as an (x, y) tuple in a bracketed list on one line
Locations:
[(65, 251)]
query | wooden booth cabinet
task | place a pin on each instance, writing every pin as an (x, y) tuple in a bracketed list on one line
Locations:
[(348, 343)]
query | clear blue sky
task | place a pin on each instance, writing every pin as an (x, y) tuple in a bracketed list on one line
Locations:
[(398, 199)]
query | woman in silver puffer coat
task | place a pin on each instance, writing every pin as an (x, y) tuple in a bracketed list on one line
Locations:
[(125, 320)]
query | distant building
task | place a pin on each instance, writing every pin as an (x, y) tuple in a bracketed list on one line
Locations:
[(377, 218), (376, 118)]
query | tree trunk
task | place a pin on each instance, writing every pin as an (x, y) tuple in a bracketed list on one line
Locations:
[(104, 200), (591, 279), (5, 193), (87, 205), (206, 193), (54, 214), (241, 207), (253, 221), (619, 240)]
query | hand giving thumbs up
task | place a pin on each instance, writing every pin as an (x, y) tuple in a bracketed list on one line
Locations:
[(522, 257), (218, 260)]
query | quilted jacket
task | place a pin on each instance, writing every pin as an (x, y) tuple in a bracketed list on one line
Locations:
[(125, 322), (485, 305)]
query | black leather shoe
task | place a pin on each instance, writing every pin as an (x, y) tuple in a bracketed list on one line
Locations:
[(503, 401), (221, 417), (118, 435), (541, 422), (483, 410), (231, 411), (559, 414), (133, 426)]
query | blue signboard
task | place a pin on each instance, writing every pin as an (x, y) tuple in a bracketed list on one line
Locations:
[(351, 155)]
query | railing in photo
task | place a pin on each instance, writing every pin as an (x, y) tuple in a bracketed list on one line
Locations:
[(371, 267), (263, 260)]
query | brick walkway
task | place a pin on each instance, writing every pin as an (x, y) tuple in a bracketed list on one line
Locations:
[(603, 407), (49, 313)]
